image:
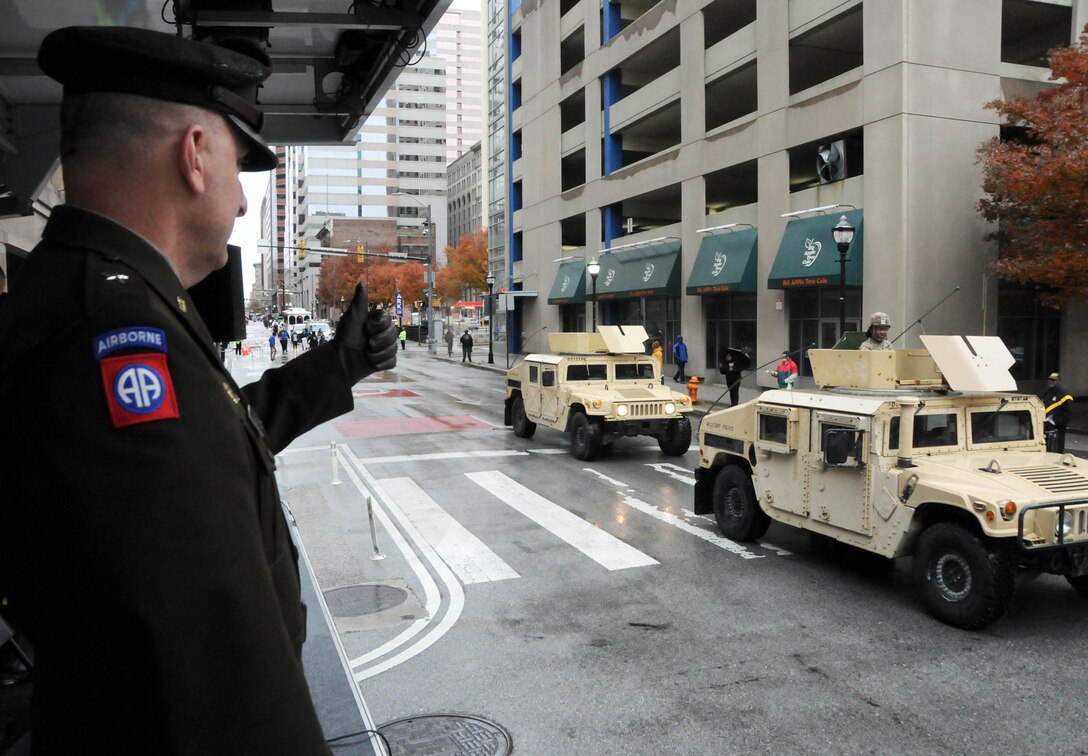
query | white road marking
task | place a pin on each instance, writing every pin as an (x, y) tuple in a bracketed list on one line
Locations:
[(467, 556), (684, 475), (603, 548), (687, 527), (769, 546), (605, 478), (547, 451), (454, 591)]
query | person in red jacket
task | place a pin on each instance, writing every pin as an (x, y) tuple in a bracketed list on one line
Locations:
[(785, 371)]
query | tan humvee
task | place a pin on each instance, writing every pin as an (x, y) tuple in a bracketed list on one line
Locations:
[(598, 387), (923, 452)]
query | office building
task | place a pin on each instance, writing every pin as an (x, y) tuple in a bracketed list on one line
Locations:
[(703, 152)]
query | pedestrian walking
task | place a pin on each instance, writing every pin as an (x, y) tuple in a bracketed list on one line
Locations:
[(181, 628), (237, 347), (729, 366), (680, 356), (284, 338), (449, 342), (658, 353), (466, 346), (403, 336), (272, 345)]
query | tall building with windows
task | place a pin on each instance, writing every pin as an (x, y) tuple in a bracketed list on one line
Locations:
[(703, 151), (395, 168), (493, 153), (458, 40)]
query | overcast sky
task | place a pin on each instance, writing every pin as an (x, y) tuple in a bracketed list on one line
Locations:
[(247, 229)]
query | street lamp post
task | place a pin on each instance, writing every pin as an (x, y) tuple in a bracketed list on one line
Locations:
[(490, 318), (431, 262), (843, 234), (594, 269)]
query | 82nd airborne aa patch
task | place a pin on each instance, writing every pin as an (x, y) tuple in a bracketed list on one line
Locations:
[(138, 388)]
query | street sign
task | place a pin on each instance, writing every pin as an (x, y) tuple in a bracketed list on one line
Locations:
[(400, 305)]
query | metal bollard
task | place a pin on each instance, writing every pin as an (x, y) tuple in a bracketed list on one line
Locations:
[(335, 465), (373, 534)]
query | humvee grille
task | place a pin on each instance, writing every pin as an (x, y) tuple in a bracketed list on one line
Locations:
[(1052, 479), (646, 409)]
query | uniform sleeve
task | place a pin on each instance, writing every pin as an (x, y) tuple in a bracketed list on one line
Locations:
[(309, 390)]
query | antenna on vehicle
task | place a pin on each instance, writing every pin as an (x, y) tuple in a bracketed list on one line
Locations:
[(918, 322)]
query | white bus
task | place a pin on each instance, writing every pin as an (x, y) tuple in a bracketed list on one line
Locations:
[(296, 316)]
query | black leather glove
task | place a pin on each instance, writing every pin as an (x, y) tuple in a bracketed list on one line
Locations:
[(366, 341)]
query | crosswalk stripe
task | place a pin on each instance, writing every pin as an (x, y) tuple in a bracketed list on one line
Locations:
[(603, 548), (466, 555)]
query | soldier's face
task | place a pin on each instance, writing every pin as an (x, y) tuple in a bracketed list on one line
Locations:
[(880, 332)]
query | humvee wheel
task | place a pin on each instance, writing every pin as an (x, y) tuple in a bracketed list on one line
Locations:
[(585, 437), (1080, 584), (523, 426), (960, 579), (677, 437), (735, 507)]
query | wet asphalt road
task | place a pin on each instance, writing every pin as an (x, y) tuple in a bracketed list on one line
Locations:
[(654, 636)]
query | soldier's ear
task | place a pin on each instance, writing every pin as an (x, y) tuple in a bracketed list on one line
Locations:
[(192, 158)]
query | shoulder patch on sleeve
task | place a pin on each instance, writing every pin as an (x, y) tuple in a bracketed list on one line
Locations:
[(138, 337), (139, 388)]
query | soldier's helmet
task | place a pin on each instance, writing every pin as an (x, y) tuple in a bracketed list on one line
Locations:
[(879, 319)]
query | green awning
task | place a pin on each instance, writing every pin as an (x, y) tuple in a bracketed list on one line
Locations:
[(726, 262), (808, 255), (570, 284), (641, 272)]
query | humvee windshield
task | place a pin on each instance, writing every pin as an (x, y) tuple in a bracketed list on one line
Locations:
[(929, 430), (630, 371), (988, 427), (587, 372)]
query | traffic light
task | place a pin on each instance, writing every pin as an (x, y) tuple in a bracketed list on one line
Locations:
[(302, 250), (360, 249)]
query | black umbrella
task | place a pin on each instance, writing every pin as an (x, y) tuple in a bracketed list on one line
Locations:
[(741, 361)]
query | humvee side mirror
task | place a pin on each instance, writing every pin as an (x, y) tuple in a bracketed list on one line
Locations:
[(838, 443)]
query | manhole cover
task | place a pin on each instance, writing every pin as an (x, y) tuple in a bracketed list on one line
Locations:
[(357, 600), (446, 735)]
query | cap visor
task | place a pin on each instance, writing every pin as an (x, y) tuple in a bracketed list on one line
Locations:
[(260, 156)]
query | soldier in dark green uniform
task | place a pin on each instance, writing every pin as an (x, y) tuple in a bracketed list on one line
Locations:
[(143, 548)]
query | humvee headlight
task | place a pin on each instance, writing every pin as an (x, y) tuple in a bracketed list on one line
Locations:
[(669, 408), (621, 410), (1065, 526)]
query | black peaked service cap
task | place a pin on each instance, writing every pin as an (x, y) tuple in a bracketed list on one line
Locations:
[(221, 77)]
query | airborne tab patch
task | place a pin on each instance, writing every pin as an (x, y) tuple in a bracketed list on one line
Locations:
[(138, 389), (141, 337)]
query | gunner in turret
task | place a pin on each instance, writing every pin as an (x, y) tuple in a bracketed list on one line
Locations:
[(877, 333)]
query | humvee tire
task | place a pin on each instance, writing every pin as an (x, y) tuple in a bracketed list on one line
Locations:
[(960, 579), (676, 439), (585, 437), (523, 426), (735, 507), (1080, 584)]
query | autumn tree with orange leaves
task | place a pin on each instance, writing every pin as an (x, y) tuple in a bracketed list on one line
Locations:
[(383, 277), (1037, 187), (466, 267)]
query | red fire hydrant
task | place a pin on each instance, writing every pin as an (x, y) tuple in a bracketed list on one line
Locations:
[(693, 389)]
